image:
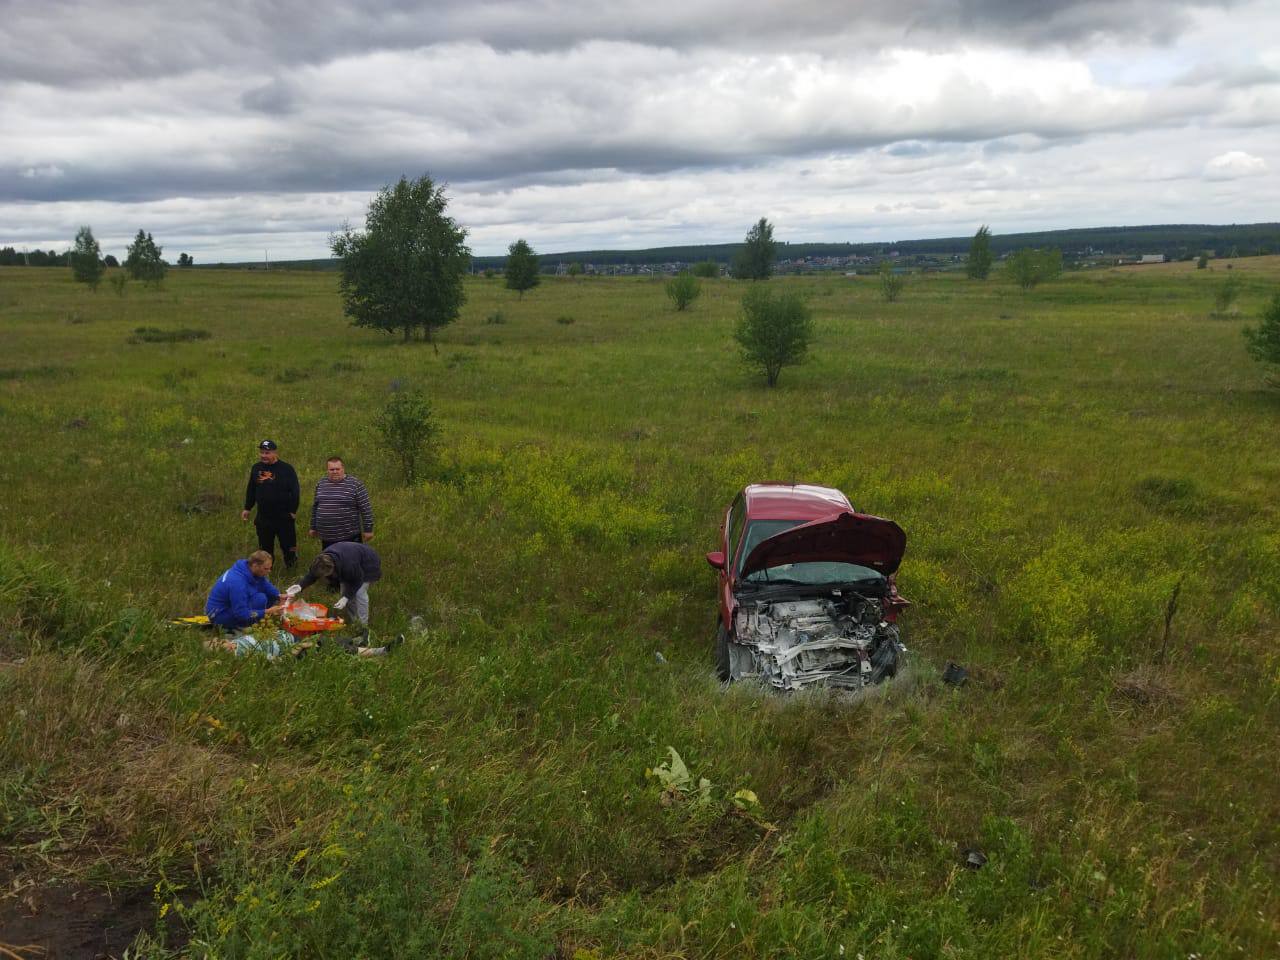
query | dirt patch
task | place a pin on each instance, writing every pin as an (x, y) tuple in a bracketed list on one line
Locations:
[(75, 922)]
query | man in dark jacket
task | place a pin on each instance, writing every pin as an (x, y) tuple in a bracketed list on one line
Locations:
[(273, 487), (243, 595), (349, 567)]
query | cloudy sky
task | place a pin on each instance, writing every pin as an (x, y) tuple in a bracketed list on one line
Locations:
[(234, 129)]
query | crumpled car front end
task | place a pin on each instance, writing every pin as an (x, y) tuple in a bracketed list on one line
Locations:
[(840, 640), (816, 603)]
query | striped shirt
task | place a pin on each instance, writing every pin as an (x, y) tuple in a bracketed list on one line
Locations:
[(341, 510)]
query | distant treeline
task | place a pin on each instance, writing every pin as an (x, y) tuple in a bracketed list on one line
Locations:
[(1175, 241), (9, 257)]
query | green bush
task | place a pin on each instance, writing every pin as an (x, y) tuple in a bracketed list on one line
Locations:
[(683, 289), (1225, 297), (408, 430), (773, 332), (1029, 267), (891, 283), (1263, 341)]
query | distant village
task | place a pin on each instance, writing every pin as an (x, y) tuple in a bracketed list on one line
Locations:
[(850, 266)]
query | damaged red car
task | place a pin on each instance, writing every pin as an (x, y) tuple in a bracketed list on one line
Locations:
[(806, 589)]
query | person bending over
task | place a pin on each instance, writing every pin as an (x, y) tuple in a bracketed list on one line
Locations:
[(243, 595), (350, 568)]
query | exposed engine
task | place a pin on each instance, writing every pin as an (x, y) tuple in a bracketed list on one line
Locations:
[(841, 641)]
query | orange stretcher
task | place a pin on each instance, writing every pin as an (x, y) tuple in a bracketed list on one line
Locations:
[(302, 619)]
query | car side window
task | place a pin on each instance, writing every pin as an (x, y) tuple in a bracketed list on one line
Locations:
[(737, 520)]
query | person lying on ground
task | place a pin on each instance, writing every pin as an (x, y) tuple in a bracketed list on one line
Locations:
[(243, 595), (285, 642), (350, 568)]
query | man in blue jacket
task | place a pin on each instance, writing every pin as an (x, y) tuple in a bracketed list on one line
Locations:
[(243, 595)]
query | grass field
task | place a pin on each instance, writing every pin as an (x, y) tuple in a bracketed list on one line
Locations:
[(1061, 461)]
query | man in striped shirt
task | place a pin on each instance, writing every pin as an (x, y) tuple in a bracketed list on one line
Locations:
[(341, 509)]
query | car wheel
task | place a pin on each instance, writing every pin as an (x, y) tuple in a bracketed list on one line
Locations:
[(722, 653), (885, 658)]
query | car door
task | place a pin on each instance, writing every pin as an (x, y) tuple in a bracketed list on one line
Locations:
[(734, 523)]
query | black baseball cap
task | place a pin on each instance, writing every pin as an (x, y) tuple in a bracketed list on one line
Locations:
[(267, 445)]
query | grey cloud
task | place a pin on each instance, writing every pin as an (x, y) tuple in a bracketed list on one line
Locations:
[(82, 43), (276, 97), (910, 148), (599, 108), (1230, 76)]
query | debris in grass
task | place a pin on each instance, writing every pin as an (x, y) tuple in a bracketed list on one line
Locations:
[(1146, 686), (78, 423), (657, 655), (955, 675), (974, 858)]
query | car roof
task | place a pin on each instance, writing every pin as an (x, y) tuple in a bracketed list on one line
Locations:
[(792, 501)]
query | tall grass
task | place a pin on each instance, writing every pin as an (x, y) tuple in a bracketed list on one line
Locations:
[(1060, 460)]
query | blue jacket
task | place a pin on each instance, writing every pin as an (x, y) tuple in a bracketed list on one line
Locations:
[(239, 598)]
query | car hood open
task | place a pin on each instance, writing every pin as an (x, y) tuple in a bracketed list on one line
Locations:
[(842, 538)]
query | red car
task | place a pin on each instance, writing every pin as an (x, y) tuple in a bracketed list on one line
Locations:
[(807, 593)]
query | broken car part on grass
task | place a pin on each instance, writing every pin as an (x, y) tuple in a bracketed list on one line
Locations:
[(807, 593)]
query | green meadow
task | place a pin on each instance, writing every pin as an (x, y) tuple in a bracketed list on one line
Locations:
[(1087, 476)]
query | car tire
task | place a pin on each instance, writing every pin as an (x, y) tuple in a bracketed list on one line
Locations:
[(722, 654), (885, 659)]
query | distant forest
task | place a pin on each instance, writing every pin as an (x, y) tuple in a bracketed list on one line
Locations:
[(1174, 241)]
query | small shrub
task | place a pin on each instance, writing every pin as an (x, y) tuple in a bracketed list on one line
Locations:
[(683, 289), (345, 366), (1263, 341), (891, 283), (564, 319), (407, 428), (1029, 267), (1225, 297), (291, 375), (496, 318), (707, 269), (1202, 261), (118, 281), (158, 335), (773, 332)]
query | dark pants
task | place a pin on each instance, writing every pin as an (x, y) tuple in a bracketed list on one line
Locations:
[(271, 527)]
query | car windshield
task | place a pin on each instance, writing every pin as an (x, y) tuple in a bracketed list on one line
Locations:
[(815, 573)]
